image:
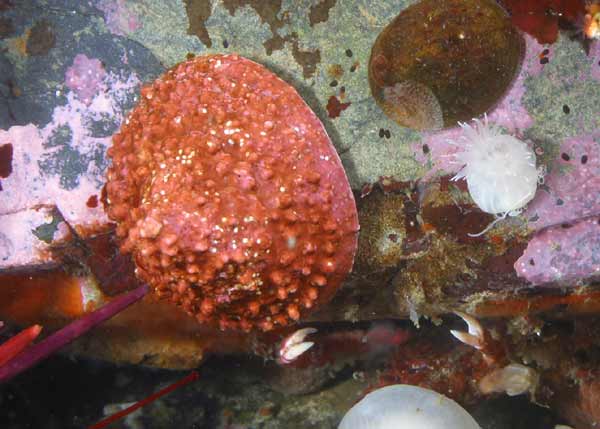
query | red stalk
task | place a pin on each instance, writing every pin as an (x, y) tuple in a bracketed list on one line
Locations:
[(37, 352), (103, 423), (15, 345)]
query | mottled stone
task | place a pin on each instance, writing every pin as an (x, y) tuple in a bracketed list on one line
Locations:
[(20, 251), (320, 11), (198, 11), (119, 17), (383, 231), (567, 78), (41, 38), (6, 27)]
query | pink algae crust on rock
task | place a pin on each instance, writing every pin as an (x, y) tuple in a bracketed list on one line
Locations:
[(119, 17), (566, 211), (85, 77), (572, 185), (230, 196), (562, 253)]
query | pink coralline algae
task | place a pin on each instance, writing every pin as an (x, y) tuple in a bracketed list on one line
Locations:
[(440, 151), (531, 63), (594, 58), (119, 18), (35, 171), (572, 186), (566, 210), (85, 77), (510, 113), (563, 253)]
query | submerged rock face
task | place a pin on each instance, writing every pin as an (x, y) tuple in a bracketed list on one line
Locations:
[(230, 195), (440, 62)]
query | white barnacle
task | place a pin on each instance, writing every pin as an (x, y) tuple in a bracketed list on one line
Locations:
[(500, 169)]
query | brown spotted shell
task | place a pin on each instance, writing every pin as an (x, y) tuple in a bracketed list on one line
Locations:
[(443, 61)]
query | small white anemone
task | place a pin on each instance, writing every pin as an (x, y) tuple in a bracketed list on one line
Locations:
[(500, 169), (407, 407)]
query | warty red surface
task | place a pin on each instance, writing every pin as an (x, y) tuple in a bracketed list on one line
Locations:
[(229, 194)]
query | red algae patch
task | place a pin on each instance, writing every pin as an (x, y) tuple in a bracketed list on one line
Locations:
[(92, 201), (230, 196), (6, 155), (335, 107)]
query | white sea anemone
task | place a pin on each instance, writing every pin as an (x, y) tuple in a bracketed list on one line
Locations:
[(500, 169), (407, 407)]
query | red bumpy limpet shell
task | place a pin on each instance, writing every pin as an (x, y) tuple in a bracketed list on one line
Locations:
[(230, 196)]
